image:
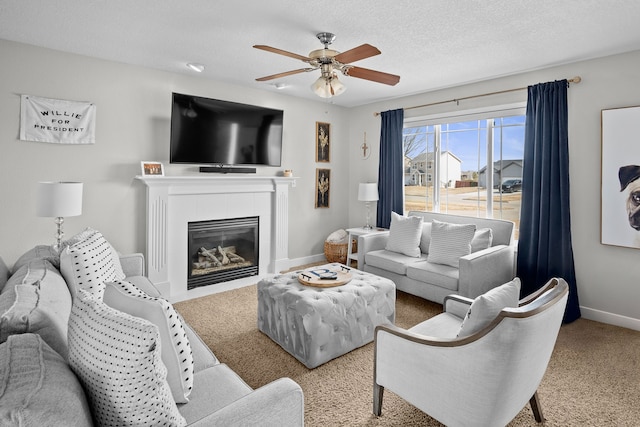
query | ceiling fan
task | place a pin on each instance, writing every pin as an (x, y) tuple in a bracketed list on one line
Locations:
[(329, 61)]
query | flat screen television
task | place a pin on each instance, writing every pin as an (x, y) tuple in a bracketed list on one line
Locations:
[(214, 132)]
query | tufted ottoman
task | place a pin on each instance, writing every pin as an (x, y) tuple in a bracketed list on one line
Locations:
[(316, 325)]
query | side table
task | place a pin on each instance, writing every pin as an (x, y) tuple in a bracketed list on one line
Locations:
[(354, 233)]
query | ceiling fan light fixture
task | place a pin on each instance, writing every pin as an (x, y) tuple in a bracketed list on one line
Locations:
[(196, 67), (326, 87)]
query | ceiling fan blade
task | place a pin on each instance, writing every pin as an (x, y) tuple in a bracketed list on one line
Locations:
[(286, 73), (282, 52), (374, 76), (357, 53)]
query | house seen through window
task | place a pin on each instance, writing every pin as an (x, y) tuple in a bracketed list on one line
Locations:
[(446, 158)]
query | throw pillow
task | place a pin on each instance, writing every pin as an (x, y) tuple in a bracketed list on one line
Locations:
[(404, 235), (174, 344), (88, 232), (425, 238), (116, 356), (38, 302), (87, 262), (37, 386), (38, 252), (482, 239), (449, 242), (4, 274), (487, 306)]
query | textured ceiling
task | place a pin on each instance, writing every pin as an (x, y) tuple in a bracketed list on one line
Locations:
[(431, 44)]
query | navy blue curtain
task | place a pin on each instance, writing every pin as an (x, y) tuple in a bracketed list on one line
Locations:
[(544, 243), (390, 167)]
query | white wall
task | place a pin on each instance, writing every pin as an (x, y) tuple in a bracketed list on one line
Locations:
[(133, 113), (607, 276)]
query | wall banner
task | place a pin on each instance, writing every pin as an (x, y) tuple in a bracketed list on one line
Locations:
[(57, 121)]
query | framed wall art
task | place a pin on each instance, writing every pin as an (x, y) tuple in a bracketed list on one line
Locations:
[(323, 142), (323, 187), (620, 184), (152, 168)]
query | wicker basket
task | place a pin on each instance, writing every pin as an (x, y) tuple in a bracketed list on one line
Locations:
[(337, 252)]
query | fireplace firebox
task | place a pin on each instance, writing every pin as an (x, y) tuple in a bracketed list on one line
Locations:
[(222, 250)]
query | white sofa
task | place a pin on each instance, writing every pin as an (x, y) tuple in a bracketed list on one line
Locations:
[(38, 385), (476, 274)]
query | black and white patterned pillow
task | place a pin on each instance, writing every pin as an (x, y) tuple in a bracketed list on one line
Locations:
[(88, 263), (176, 350), (117, 358), (449, 242)]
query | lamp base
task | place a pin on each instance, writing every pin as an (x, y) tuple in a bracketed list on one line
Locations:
[(59, 233)]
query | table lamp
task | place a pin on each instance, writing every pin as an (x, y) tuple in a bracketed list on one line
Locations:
[(368, 192), (57, 200)]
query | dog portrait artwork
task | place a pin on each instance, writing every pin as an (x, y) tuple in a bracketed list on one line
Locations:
[(629, 182), (620, 185)]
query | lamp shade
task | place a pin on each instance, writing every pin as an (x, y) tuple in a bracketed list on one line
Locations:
[(368, 192), (59, 199), (326, 87)]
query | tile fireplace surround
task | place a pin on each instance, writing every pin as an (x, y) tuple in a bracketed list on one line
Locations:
[(174, 201)]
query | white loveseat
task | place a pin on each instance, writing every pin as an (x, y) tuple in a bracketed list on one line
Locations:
[(474, 275), (40, 383)]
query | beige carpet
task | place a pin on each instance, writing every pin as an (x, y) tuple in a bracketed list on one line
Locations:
[(593, 378)]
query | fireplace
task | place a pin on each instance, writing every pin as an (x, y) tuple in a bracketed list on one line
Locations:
[(222, 250)]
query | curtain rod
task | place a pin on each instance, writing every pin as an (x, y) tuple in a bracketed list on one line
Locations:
[(576, 79)]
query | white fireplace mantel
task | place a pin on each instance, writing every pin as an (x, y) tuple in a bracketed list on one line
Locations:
[(174, 201)]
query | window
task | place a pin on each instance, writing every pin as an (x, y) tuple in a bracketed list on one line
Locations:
[(456, 152)]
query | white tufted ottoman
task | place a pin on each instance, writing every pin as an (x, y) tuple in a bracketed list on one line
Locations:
[(316, 325)]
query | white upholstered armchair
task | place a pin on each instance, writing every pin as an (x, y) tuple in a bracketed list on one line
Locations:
[(483, 379)]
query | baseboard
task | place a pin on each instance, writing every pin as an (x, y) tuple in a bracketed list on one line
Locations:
[(313, 259), (610, 318)]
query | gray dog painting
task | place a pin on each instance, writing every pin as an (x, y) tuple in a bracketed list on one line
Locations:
[(628, 176)]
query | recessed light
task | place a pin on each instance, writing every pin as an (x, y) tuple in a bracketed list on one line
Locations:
[(196, 67)]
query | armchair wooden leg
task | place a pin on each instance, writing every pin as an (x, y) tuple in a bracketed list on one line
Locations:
[(378, 392), (536, 408)]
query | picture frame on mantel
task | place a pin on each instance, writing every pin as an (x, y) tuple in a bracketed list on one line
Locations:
[(620, 181), (323, 142), (152, 168), (323, 187)]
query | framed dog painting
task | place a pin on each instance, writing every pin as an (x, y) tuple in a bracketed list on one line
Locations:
[(620, 196)]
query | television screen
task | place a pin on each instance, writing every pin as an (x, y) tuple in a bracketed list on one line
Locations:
[(211, 131)]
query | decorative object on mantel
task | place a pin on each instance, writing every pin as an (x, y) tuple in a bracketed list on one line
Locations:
[(323, 142), (57, 120), (368, 192), (57, 200), (152, 168), (288, 173), (620, 178), (323, 187)]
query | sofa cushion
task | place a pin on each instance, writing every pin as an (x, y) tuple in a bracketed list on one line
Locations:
[(36, 300), (425, 238), (487, 306), (38, 252), (449, 242), (214, 388), (87, 262), (4, 274), (391, 261), (404, 235), (174, 344), (440, 275), (117, 358), (37, 387), (482, 239)]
